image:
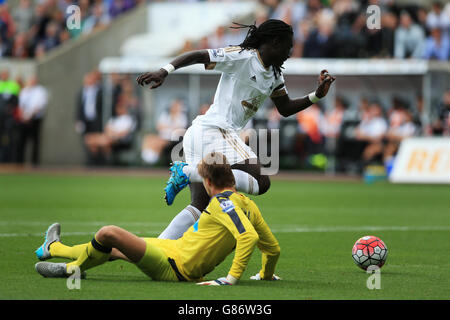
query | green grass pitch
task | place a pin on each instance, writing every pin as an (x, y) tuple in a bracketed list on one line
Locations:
[(316, 224)]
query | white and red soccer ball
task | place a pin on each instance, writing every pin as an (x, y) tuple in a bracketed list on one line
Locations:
[(369, 251)]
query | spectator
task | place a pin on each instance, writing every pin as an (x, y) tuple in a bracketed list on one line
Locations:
[(133, 105), (171, 125), (371, 132), (444, 113), (441, 121), (98, 20), (309, 125), (401, 127), (380, 42), (422, 15), (5, 48), (301, 34), (409, 39), (118, 129), (51, 38), (20, 47), (118, 7), (333, 119), (9, 91), (40, 21), (89, 110), (437, 46), (437, 18), (319, 43), (23, 16), (33, 100), (7, 27)]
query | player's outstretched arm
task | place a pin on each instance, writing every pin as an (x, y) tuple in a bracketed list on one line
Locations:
[(287, 107), (184, 60)]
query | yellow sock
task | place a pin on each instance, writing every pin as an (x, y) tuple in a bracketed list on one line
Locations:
[(59, 250), (93, 255)]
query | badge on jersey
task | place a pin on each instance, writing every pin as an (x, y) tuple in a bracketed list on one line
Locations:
[(227, 205), (218, 53)]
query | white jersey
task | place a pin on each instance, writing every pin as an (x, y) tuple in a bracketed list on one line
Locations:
[(244, 85)]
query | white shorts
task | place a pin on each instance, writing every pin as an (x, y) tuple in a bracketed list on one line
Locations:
[(200, 140)]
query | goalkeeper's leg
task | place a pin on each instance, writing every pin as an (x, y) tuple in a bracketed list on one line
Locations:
[(99, 250), (60, 250)]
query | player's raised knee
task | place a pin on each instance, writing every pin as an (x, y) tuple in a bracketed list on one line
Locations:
[(264, 184), (106, 233)]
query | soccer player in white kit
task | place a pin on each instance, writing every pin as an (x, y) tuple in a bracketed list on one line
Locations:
[(251, 72)]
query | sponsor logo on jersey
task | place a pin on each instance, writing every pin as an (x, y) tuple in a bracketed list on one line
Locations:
[(218, 53), (227, 205)]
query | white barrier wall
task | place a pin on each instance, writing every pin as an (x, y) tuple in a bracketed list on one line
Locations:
[(422, 160)]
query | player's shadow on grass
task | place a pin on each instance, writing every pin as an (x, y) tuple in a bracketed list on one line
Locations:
[(117, 278)]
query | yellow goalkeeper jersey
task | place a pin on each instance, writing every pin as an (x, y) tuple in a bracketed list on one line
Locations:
[(231, 221)]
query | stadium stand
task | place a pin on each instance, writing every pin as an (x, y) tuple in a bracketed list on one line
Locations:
[(405, 60)]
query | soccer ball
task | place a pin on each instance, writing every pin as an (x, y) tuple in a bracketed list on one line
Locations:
[(369, 251)]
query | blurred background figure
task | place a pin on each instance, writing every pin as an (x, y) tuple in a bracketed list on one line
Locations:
[(99, 19), (118, 130), (331, 127), (33, 100), (409, 38), (9, 98), (89, 114), (401, 126), (438, 18), (310, 132), (437, 46), (441, 118), (320, 42), (171, 125), (370, 132)]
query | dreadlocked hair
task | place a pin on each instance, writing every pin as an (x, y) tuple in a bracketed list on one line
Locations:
[(266, 31)]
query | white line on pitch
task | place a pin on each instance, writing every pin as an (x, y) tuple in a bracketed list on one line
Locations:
[(275, 230)]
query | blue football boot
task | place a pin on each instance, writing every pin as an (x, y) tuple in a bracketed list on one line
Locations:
[(51, 235), (178, 181)]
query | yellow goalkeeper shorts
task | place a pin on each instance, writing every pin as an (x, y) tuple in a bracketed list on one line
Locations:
[(156, 264)]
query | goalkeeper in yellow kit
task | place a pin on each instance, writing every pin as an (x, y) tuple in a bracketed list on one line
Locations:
[(230, 221)]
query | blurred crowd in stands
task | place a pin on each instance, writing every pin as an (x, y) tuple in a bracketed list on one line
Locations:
[(351, 136), (34, 27), (322, 28), (345, 136), (338, 29)]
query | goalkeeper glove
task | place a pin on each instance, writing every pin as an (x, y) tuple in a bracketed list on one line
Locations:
[(258, 277), (229, 280)]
